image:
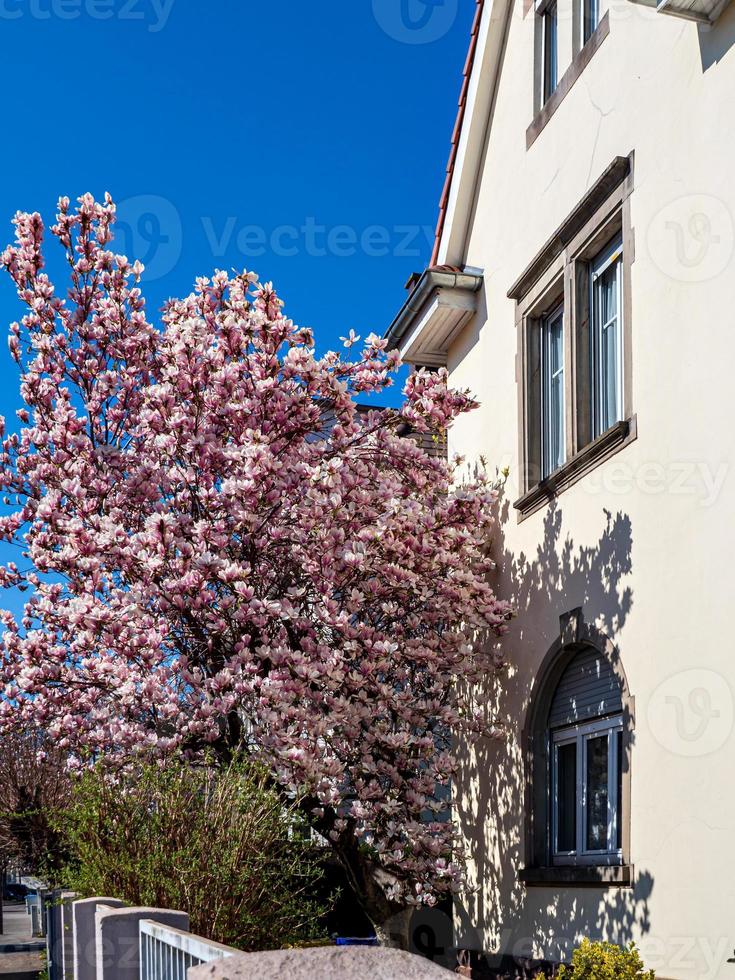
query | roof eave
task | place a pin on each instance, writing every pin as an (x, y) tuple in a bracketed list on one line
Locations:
[(471, 134), (438, 307)]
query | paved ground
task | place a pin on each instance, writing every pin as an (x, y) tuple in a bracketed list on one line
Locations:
[(20, 954), (16, 928), (21, 966)]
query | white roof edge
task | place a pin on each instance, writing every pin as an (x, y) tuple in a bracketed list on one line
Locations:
[(477, 121)]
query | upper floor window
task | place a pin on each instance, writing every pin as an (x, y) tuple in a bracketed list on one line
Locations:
[(552, 401), (563, 47), (573, 315), (551, 48), (606, 313), (590, 18)]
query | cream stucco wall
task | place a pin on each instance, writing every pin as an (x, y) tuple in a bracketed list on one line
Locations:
[(645, 543)]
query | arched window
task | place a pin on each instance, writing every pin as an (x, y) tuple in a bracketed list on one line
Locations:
[(577, 739), (586, 747)]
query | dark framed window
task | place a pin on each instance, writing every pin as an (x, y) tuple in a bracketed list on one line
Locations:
[(606, 341), (590, 18), (553, 447), (555, 38), (551, 48), (586, 797), (577, 743), (573, 315)]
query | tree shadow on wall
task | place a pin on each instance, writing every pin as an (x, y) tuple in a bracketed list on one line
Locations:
[(561, 576), (501, 919)]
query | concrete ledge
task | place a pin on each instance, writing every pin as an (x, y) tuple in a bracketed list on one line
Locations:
[(117, 933), (67, 934), (324, 963), (59, 933), (83, 933), (594, 876)]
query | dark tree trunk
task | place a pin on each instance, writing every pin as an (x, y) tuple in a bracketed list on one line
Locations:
[(390, 920), (395, 933), (367, 878), (3, 873)]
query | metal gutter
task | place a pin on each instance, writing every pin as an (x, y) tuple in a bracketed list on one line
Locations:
[(430, 280)]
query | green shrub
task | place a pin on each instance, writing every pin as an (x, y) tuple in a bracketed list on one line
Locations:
[(605, 961), (219, 844)]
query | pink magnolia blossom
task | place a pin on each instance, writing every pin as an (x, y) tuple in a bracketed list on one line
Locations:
[(220, 549)]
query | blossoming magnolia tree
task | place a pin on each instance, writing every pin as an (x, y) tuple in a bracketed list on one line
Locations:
[(220, 550)]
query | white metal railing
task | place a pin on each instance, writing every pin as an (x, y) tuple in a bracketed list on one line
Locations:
[(167, 953)]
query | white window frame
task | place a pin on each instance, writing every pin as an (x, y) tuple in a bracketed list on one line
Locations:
[(547, 377), (612, 254), (581, 735)]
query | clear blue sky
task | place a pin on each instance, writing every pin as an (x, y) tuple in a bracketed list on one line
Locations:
[(306, 141)]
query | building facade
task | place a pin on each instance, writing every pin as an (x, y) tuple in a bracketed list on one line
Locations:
[(581, 288)]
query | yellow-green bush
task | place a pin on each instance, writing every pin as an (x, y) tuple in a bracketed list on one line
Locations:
[(216, 842), (605, 961)]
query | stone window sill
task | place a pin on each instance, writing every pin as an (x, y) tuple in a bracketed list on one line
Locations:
[(614, 875), (594, 453)]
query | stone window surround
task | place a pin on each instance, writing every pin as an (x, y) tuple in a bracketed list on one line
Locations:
[(574, 635), (561, 271)]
